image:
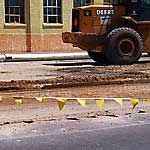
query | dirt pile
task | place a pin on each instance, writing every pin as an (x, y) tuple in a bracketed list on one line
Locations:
[(84, 75)]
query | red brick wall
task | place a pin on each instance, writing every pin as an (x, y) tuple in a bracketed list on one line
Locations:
[(34, 44), (12, 44)]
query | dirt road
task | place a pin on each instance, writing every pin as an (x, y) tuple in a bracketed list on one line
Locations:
[(83, 79), (46, 75)]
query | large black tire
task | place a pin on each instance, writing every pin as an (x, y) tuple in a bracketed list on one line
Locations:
[(99, 57), (124, 46)]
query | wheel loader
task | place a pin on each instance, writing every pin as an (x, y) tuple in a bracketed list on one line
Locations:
[(116, 32)]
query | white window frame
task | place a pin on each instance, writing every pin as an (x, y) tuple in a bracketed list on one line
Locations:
[(9, 15), (57, 14)]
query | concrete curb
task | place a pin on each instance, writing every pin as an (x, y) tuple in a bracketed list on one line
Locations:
[(2, 57), (44, 57)]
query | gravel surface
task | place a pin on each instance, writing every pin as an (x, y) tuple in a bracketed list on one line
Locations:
[(45, 75)]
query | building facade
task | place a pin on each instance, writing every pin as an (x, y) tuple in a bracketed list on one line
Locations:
[(36, 25)]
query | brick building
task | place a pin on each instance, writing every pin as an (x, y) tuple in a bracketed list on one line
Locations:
[(36, 25)]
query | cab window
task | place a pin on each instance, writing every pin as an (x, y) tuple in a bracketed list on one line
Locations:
[(145, 4), (78, 3), (115, 2)]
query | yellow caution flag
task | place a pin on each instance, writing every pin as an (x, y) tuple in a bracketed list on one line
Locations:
[(119, 101), (1, 99), (41, 99), (61, 103), (147, 100), (82, 102), (18, 100), (100, 104), (134, 102)]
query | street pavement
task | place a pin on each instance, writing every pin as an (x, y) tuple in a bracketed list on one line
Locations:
[(103, 133)]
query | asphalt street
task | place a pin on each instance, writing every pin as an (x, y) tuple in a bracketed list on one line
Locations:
[(92, 134)]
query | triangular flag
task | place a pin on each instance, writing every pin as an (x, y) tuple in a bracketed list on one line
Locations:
[(1, 99), (147, 99), (119, 101), (18, 100), (41, 99), (134, 102), (61, 103), (82, 102), (100, 104)]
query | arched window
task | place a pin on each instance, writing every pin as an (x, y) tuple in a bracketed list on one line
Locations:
[(14, 11), (52, 11)]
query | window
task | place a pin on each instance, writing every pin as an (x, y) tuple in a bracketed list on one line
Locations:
[(145, 3), (52, 11), (115, 2), (14, 11), (78, 3)]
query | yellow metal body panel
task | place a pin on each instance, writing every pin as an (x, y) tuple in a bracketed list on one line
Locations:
[(102, 18), (96, 21)]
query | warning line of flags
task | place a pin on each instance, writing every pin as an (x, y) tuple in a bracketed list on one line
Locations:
[(82, 101)]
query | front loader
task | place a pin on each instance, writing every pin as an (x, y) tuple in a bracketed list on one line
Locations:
[(113, 33)]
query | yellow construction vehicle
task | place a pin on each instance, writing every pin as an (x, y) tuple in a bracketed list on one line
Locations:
[(115, 33)]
